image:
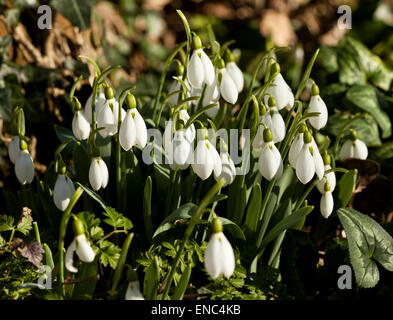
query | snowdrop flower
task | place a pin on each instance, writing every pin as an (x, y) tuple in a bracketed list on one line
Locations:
[(270, 159), (133, 129), (179, 150), (133, 291), (328, 177), (80, 125), (14, 149), (296, 146), (24, 166), (317, 105), (219, 256), (354, 148), (100, 102), (227, 86), (63, 190), (309, 160), (236, 75), (200, 67), (206, 158), (212, 95), (274, 121), (80, 245), (280, 90), (98, 173), (228, 172), (327, 203), (168, 132)]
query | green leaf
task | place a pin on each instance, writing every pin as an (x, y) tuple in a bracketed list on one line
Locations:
[(77, 11), (147, 208), (85, 290), (116, 219), (253, 211), (285, 224), (152, 280), (24, 225), (183, 284), (368, 243), (344, 189), (384, 152), (366, 127), (109, 253), (365, 98), (91, 225), (233, 228), (6, 223), (81, 162)]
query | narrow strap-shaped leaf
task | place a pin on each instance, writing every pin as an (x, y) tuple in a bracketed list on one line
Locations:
[(183, 284)]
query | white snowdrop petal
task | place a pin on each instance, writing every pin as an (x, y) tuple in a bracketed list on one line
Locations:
[(84, 249), (106, 119), (195, 72), (347, 150), (175, 86), (236, 75), (281, 92), (228, 88), (141, 130), (203, 163), (228, 257), (326, 204), (127, 132), (133, 291), (104, 173), (360, 150), (80, 126), (278, 127), (319, 167), (258, 140), (305, 165), (95, 177), (213, 262), (208, 68), (267, 163), (228, 172), (294, 150), (69, 258), (14, 149), (217, 166), (318, 105), (62, 192), (168, 134), (100, 102), (24, 167)]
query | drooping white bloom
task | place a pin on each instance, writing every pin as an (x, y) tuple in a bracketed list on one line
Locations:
[(317, 105), (295, 148), (169, 134), (107, 120), (274, 121), (63, 191), (200, 69), (179, 151), (13, 149), (98, 173), (212, 95), (269, 161), (80, 126), (219, 256), (326, 204), (356, 149), (100, 102), (236, 75), (282, 93), (328, 177), (206, 159), (305, 164), (24, 167), (133, 291), (228, 172), (228, 89), (133, 130), (83, 249), (175, 86), (318, 161)]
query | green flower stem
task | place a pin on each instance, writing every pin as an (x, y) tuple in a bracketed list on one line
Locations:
[(11, 236), (120, 264), (305, 194), (168, 203), (163, 76), (190, 228), (306, 75), (36, 232), (118, 160), (63, 228), (265, 219)]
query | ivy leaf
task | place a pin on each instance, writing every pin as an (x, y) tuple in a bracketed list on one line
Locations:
[(116, 219), (368, 243), (33, 252), (6, 223), (77, 11), (110, 253)]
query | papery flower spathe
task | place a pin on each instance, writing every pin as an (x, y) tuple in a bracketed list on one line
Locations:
[(354, 148), (280, 90), (206, 158), (81, 245), (317, 105), (270, 160), (24, 166), (133, 291), (98, 173), (63, 191), (14, 149), (200, 68), (80, 126), (133, 129), (219, 256)]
